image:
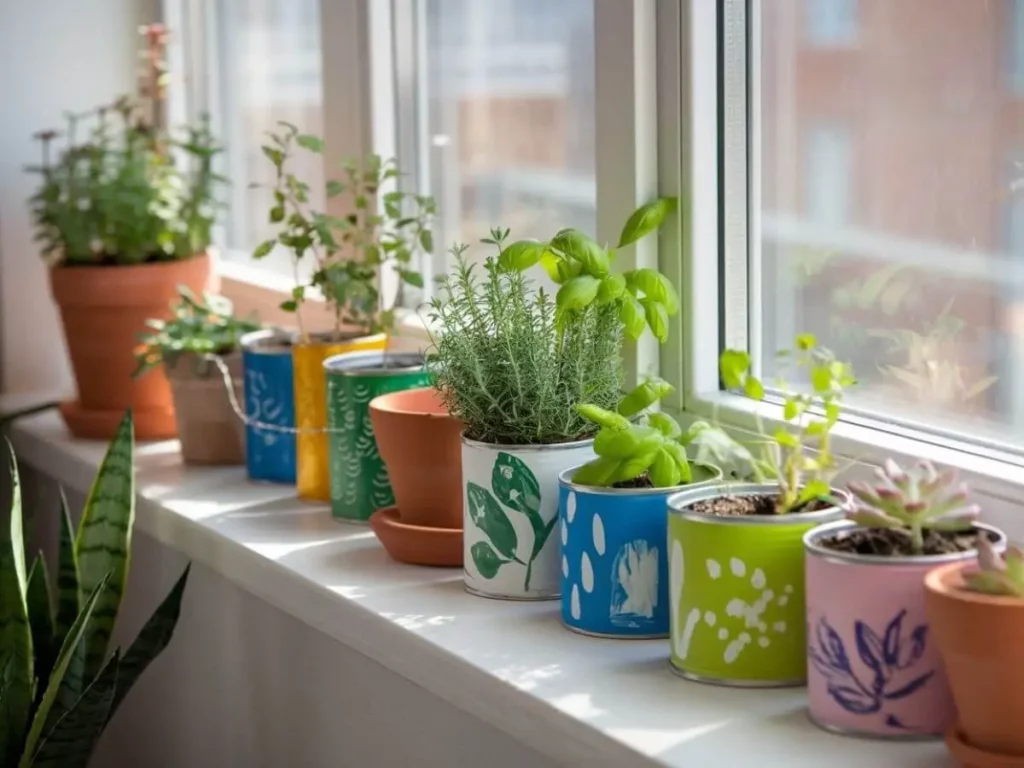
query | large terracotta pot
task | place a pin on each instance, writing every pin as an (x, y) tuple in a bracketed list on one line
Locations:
[(208, 427), (979, 637), (421, 446), (104, 310), (313, 472)]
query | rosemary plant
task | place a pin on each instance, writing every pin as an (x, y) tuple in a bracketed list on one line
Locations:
[(513, 363)]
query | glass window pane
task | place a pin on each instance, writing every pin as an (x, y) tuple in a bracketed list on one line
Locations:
[(892, 206), (510, 117), (269, 70)]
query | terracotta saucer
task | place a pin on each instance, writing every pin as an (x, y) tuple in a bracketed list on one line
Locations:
[(972, 757), (417, 544), (150, 423)]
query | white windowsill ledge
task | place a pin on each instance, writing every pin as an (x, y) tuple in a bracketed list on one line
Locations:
[(578, 700)]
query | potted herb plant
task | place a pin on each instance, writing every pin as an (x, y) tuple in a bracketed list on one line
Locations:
[(736, 567), (269, 386), (61, 683), (208, 427), (976, 612), (512, 363), (419, 443), (873, 667), (348, 253), (123, 215), (612, 518)]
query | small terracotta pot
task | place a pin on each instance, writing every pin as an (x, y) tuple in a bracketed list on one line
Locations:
[(979, 637), (104, 310), (420, 444), (208, 427)]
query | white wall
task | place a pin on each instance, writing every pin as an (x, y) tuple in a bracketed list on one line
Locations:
[(57, 55)]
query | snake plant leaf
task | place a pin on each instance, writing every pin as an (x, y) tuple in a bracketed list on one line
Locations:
[(15, 633), (74, 636), (40, 619), (68, 602), (646, 219), (487, 515), (70, 743), (104, 539), (151, 641)]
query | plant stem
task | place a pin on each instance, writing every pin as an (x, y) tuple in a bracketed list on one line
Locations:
[(917, 538)]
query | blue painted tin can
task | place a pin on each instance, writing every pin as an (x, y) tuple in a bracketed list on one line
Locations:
[(269, 399), (615, 557)]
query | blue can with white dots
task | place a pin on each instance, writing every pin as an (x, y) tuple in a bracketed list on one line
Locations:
[(269, 405), (615, 557)]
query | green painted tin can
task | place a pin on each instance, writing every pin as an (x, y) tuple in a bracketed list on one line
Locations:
[(736, 590), (359, 479)]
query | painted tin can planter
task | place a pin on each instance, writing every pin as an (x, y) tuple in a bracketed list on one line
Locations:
[(873, 668), (269, 395), (737, 590), (614, 557), (510, 505), (312, 461), (359, 484)]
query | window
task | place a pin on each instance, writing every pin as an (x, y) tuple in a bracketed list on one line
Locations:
[(1015, 41), (267, 69), (829, 22), (508, 133), (885, 216)]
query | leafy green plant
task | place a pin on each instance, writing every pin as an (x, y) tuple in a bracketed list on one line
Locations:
[(632, 444), (512, 363), (786, 454), (197, 327), (997, 575), (348, 251), (58, 686), (122, 190), (914, 500)]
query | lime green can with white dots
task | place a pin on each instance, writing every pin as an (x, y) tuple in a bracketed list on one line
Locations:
[(736, 590)]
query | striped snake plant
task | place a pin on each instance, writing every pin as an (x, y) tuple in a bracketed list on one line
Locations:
[(59, 685)]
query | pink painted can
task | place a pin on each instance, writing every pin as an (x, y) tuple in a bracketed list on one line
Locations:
[(873, 668)]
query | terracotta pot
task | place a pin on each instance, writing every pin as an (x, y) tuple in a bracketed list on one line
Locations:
[(104, 310), (208, 427), (420, 444), (313, 476), (979, 637)]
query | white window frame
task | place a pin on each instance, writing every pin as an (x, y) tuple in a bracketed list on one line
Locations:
[(716, 264)]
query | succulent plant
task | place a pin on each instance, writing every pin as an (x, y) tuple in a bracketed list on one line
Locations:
[(996, 575), (626, 449), (916, 499)]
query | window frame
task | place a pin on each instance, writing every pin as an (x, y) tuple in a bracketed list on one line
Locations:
[(718, 275)]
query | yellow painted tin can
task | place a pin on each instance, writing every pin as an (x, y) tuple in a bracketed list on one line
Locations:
[(312, 463)]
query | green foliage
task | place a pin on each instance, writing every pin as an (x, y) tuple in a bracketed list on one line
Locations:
[(58, 685), (512, 364), (348, 251), (198, 327), (914, 500), (786, 454), (997, 575), (628, 450), (125, 193)]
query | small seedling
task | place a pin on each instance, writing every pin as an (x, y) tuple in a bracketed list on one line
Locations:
[(809, 417), (198, 327), (914, 500), (626, 450), (998, 575)]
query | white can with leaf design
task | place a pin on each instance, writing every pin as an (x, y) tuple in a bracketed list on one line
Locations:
[(510, 511)]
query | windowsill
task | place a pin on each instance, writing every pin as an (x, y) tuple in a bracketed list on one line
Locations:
[(575, 699), (996, 481)]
